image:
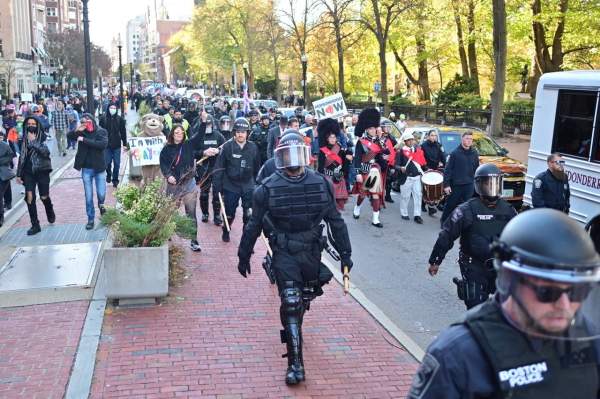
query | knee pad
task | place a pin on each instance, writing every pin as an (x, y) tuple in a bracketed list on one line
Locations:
[(291, 305)]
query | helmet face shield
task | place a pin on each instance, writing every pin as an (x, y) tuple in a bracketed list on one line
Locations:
[(489, 186), (292, 155)]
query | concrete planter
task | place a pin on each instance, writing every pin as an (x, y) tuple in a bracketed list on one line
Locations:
[(136, 272)]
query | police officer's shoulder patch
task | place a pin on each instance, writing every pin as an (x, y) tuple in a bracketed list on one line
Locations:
[(422, 380), (537, 183)]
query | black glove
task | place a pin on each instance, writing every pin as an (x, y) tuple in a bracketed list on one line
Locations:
[(244, 267), (346, 261)]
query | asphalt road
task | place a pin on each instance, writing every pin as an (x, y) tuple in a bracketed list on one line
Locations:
[(390, 267)]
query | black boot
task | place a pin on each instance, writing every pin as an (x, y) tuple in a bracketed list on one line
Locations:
[(49, 210), (295, 371), (33, 216), (225, 235), (218, 220)]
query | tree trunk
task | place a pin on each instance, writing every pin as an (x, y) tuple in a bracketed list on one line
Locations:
[(340, 55), (471, 47), (499, 18), (383, 72), (423, 89), (461, 44), (276, 73)]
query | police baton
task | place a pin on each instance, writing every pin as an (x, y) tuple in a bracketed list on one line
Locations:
[(224, 214), (346, 280), (269, 250)]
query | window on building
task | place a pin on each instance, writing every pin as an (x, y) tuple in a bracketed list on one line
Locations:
[(20, 85), (51, 11), (574, 123), (1, 49), (52, 27), (73, 3)]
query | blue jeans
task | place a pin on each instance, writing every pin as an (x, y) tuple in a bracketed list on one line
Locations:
[(88, 176), (111, 155)]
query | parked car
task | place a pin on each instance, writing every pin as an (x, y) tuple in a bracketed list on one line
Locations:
[(489, 152)]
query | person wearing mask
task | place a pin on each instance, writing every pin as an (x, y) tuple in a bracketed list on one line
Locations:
[(459, 174), (551, 187), (115, 127), (59, 120), (178, 166), (92, 141), (7, 173), (34, 170), (538, 336), (275, 134), (191, 112), (208, 151), (73, 122), (260, 135), (235, 173), (37, 111)]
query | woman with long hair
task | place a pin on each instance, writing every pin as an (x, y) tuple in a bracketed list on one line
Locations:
[(178, 166)]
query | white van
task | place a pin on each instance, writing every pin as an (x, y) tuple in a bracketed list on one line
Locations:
[(567, 121)]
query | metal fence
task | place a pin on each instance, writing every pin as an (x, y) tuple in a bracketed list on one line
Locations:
[(511, 123)]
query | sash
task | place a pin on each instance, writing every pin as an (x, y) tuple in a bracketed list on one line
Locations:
[(332, 156)]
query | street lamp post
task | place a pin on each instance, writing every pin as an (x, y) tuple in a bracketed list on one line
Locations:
[(89, 84), (121, 98), (245, 66), (60, 79), (304, 59), (100, 89), (131, 84)]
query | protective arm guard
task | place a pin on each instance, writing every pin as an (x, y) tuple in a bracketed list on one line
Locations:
[(254, 226), (460, 220)]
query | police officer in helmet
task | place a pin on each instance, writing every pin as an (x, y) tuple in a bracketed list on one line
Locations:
[(235, 173), (538, 337), (260, 135), (225, 127), (477, 222), (291, 204)]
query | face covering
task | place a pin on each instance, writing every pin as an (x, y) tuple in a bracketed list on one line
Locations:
[(89, 126), (112, 111), (32, 129), (177, 120)]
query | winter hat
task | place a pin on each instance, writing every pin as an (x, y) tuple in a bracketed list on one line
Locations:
[(368, 117), (325, 127)]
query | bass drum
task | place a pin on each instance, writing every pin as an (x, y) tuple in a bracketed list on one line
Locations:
[(433, 186)]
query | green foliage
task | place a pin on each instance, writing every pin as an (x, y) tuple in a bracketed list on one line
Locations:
[(400, 100), (519, 106), (144, 109), (265, 86), (468, 101), (453, 91), (148, 217)]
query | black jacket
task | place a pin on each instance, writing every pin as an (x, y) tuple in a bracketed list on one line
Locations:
[(90, 151), (236, 168), (6, 161), (461, 167), (173, 164), (35, 155), (274, 134), (550, 192), (116, 130), (434, 154)]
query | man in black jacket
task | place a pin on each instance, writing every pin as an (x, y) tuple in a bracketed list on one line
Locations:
[(92, 140), (274, 134), (114, 125), (551, 187), (459, 173)]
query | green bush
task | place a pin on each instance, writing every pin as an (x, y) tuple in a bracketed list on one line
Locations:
[(400, 100), (148, 217), (144, 109), (519, 106), (453, 91), (468, 101)]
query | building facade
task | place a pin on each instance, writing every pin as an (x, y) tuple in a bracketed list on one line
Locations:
[(135, 31), (64, 14)]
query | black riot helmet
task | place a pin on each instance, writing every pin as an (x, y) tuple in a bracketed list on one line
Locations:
[(488, 182), (292, 151), (241, 124), (545, 258), (593, 229), (225, 123)]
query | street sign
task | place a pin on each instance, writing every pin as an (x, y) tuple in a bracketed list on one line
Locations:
[(27, 97), (377, 86), (330, 107)]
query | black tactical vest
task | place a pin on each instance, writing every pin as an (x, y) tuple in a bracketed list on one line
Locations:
[(297, 205), (553, 369), (487, 225)]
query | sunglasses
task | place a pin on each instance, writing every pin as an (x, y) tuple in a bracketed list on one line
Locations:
[(559, 162), (550, 294)]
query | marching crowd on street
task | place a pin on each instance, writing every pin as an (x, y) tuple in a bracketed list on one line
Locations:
[(529, 280)]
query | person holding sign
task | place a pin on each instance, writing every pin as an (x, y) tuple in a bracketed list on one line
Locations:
[(369, 160), (178, 166)]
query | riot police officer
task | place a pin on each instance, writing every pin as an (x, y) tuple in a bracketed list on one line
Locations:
[(478, 222), (291, 203), (538, 337), (208, 152), (260, 136), (225, 127), (253, 119), (551, 187), (235, 173)]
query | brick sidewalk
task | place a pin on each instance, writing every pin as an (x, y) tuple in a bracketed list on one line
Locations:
[(217, 336)]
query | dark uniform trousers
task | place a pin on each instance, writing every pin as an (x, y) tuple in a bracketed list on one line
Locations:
[(232, 200), (205, 186), (460, 193)]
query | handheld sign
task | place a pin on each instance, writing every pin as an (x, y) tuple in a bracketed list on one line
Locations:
[(27, 97), (146, 150), (330, 107)]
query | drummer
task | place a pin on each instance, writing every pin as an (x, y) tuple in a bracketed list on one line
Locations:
[(409, 163), (435, 158)]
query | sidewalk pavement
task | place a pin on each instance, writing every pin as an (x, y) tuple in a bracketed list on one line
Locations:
[(215, 336)]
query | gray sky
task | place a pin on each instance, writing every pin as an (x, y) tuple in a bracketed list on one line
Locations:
[(108, 18)]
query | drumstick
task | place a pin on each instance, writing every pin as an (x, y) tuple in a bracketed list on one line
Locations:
[(346, 280)]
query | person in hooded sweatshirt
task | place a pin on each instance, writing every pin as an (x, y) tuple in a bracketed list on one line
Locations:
[(34, 170), (92, 140), (178, 166), (117, 136)]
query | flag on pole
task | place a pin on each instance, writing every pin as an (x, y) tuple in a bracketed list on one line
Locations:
[(246, 100)]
